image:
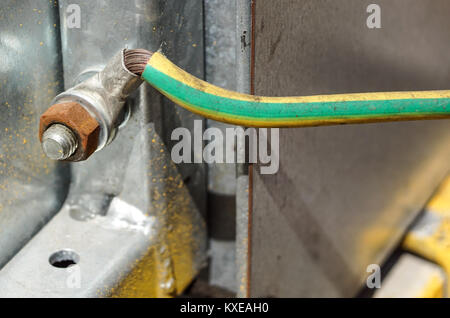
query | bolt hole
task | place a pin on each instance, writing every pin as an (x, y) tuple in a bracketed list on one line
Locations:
[(64, 258)]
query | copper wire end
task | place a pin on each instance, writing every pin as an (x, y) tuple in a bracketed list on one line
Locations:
[(135, 60)]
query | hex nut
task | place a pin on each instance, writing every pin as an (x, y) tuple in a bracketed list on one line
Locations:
[(77, 118)]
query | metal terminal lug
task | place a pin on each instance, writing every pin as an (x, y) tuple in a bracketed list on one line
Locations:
[(93, 110)]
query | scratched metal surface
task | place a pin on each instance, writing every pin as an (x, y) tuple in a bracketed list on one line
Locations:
[(32, 188), (344, 195)]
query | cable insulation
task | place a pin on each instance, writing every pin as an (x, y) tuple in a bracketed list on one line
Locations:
[(231, 107)]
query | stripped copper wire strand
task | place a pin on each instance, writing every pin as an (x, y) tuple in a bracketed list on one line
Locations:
[(135, 60)]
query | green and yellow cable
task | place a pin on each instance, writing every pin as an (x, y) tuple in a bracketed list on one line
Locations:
[(223, 105)]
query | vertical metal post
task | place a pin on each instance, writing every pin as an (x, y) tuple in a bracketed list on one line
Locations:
[(243, 79)]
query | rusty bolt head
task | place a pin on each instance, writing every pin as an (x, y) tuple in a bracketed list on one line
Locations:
[(82, 124)]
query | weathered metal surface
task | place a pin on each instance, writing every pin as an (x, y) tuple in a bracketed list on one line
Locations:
[(149, 242), (132, 216), (243, 49), (425, 273), (32, 188), (429, 236), (220, 62), (413, 277), (242, 239), (344, 195)]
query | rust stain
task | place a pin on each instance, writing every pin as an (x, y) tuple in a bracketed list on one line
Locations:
[(74, 116)]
